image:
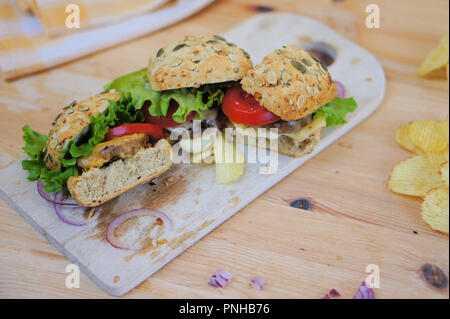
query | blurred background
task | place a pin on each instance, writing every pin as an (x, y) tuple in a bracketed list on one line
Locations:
[(40, 34)]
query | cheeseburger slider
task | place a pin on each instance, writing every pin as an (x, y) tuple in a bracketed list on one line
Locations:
[(98, 148), (291, 91), (186, 80)]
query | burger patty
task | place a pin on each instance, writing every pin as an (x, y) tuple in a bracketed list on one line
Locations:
[(119, 148), (220, 121), (290, 126)]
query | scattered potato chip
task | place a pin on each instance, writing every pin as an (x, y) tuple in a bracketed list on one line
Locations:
[(435, 210), (230, 161), (402, 138), (444, 173), (436, 59), (429, 135), (426, 174), (437, 159), (415, 176)]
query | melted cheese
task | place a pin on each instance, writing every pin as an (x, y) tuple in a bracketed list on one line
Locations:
[(300, 136), (317, 124), (122, 147)]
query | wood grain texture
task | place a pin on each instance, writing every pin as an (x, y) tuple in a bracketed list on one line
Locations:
[(355, 220)]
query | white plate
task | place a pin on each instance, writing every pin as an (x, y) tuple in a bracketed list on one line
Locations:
[(192, 199)]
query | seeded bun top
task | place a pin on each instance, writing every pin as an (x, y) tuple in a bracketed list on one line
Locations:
[(71, 122), (196, 61), (290, 83)]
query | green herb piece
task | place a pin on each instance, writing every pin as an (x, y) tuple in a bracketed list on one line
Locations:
[(336, 111)]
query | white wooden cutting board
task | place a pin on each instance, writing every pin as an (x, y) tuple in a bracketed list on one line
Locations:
[(188, 193)]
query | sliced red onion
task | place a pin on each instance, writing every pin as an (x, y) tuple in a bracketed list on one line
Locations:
[(57, 207), (364, 292), (110, 233), (334, 293), (220, 278), (340, 89), (44, 195), (258, 283)]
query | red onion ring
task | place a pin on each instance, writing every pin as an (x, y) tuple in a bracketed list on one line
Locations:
[(258, 283), (220, 278), (44, 195), (58, 198), (364, 292), (340, 90), (110, 233)]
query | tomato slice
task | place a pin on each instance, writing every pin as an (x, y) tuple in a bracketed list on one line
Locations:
[(167, 121), (154, 131), (242, 108)]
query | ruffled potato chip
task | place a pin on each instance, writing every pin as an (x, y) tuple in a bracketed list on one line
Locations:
[(436, 59), (429, 135), (415, 176), (435, 210), (402, 138), (437, 159), (230, 161), (444, 173)]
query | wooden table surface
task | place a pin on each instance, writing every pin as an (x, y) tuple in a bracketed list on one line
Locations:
[(355, 220)]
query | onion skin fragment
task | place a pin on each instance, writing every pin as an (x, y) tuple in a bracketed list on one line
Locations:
[(220, 278), (364, 292), (259, 283)]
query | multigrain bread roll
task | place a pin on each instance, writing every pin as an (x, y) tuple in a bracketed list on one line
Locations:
[(99, 185), (196, 61), (115, 165), (71, 122), (290, 83)]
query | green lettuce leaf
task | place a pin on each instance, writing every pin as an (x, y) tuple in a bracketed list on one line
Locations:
[(56, 180), (34, 168), (336, 111), (34, 142), (189, 100), (34, 146)]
